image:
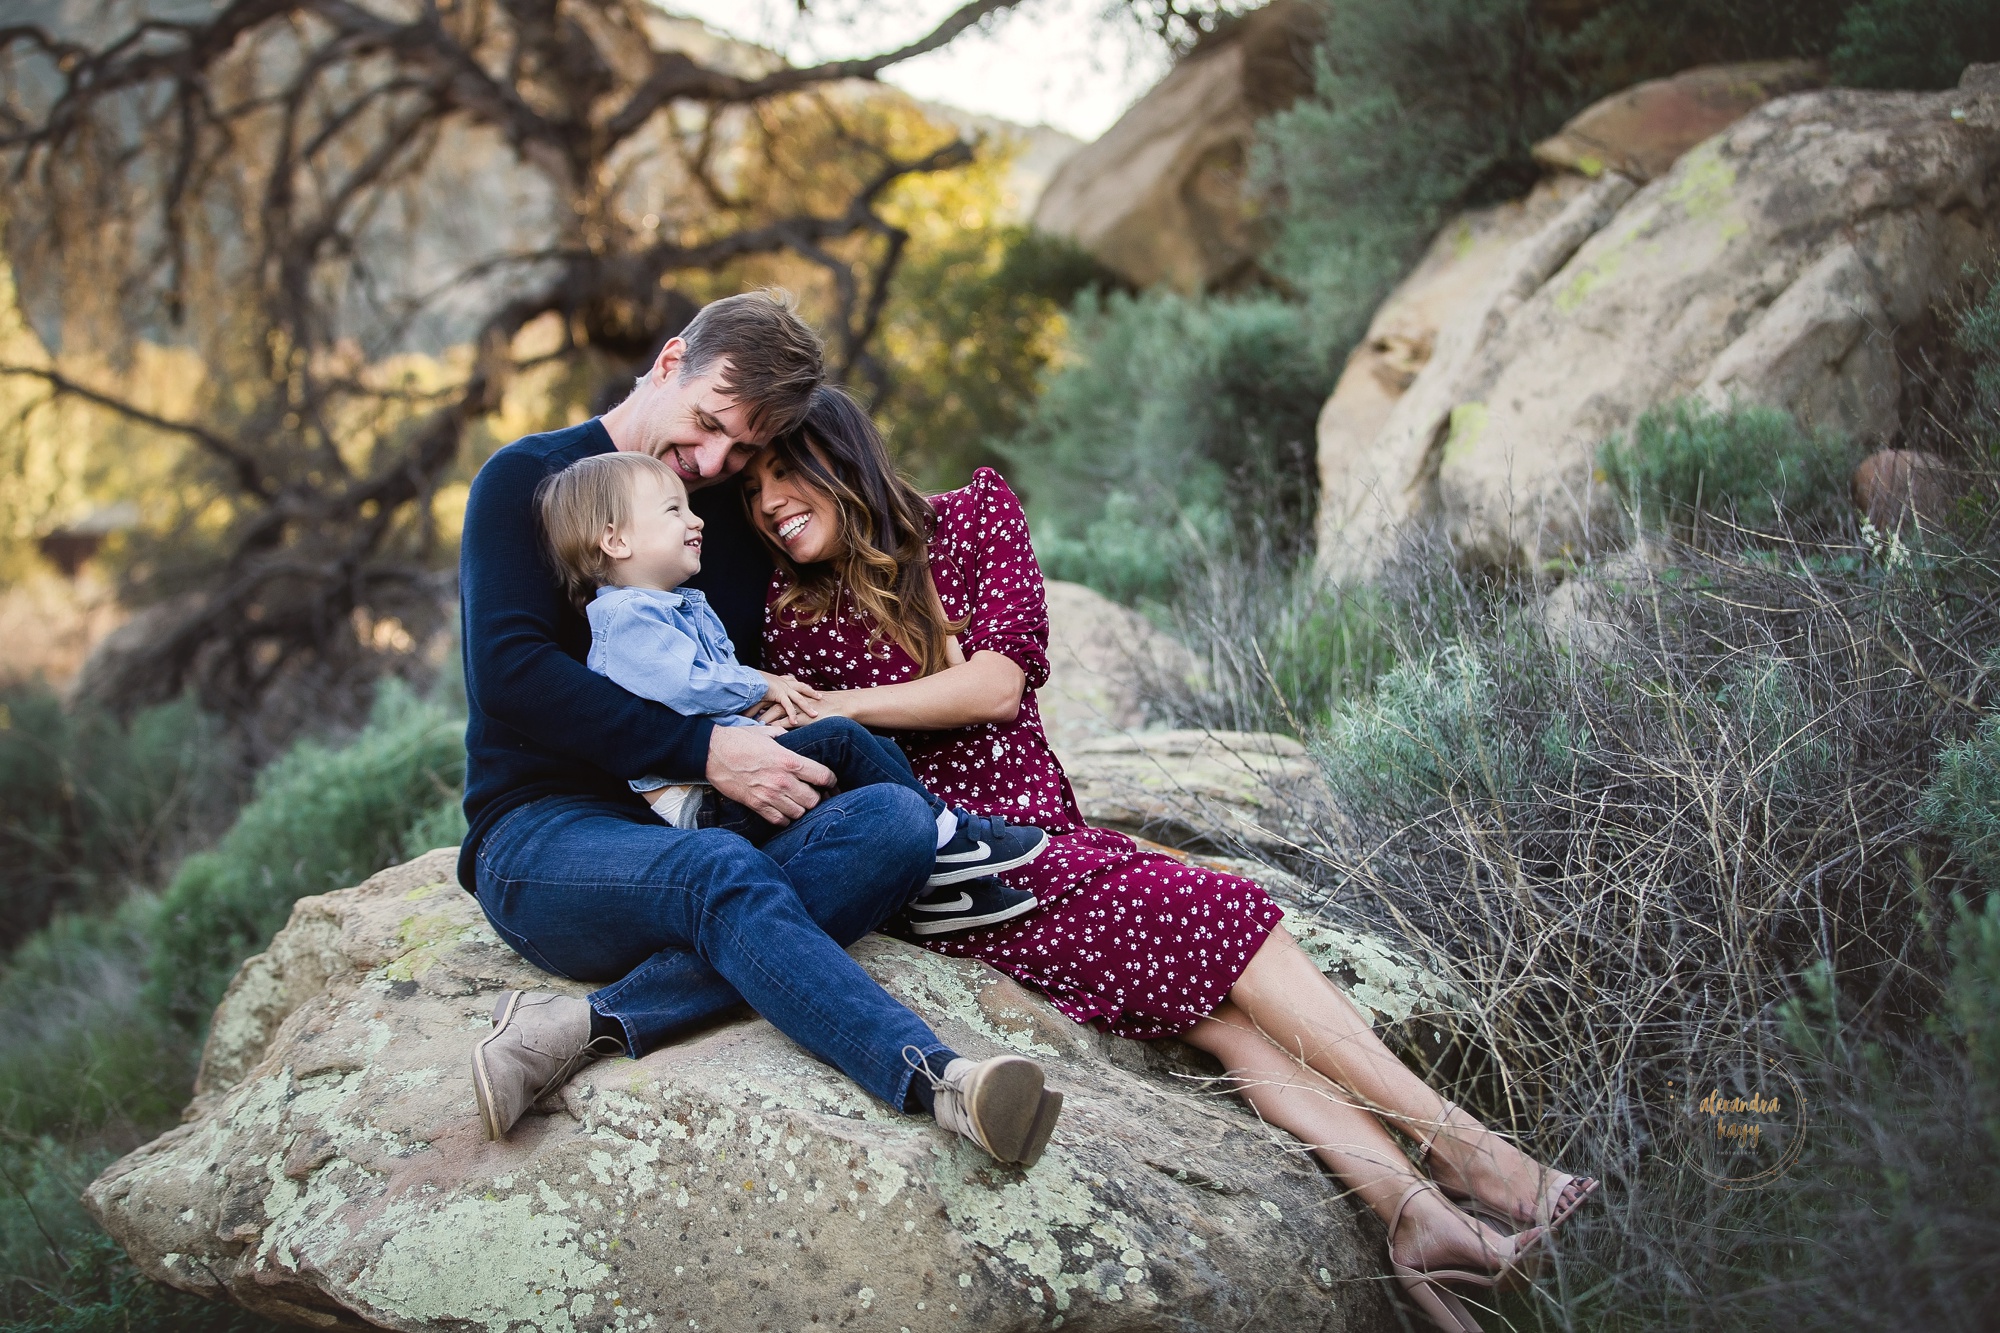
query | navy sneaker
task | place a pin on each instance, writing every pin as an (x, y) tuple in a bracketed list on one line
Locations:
[(985, 845), (967, 906)]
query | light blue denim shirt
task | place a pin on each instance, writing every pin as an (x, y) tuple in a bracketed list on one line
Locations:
[(670, 647)]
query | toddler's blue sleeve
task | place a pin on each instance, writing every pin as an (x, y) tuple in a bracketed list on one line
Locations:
[(644, 651)]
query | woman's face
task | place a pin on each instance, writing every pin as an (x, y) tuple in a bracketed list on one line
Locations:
[(790, 510)]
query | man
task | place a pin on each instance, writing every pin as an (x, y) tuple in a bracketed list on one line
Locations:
[(577, 874)]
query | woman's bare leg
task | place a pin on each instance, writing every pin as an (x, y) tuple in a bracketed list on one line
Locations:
[(1349, 1139), (1288, 999)]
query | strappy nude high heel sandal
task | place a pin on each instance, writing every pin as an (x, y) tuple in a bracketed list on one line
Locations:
[(1553, 1205), (1425, 1287)]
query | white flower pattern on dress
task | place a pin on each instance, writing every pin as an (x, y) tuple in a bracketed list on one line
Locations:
[(1134, 941)]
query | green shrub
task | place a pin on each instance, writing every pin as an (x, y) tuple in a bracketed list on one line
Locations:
[(1418, 110), (1977, 337), (1748, 465), (1275, 647), (1972, 1000), (1963, 801), (322, 819), (1900, 1173), (62, 1275), (83, 1053), (1428, 737), (968, 328), (90, 805), (1914, 43), (1173, 421)]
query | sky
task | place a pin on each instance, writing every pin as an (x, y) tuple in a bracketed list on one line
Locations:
[(1054, 62)]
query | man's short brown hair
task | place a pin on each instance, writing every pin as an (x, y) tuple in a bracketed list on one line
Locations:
[(775, 361), (578, 503)]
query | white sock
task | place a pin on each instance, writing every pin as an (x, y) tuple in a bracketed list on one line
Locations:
[(947, 826)]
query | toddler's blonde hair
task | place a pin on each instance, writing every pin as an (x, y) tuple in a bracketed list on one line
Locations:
[(578, 503)]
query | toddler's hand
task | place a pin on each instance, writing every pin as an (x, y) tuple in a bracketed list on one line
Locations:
[(788, 701)]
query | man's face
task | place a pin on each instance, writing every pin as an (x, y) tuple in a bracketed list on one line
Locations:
[(694, 427)]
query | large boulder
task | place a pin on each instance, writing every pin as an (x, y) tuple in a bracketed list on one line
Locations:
[(1642, 131), (1772, 265), (1101, 658), (332, 1170), (1160, 197), (1209, 789), (1462, 263), (1214, 789)]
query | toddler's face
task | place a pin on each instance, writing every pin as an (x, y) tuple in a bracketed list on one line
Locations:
[(660, 544)]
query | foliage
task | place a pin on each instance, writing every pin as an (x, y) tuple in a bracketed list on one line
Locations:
[(1711, 837), (1900, 1174), (1427, 738), (1174, 422), (975, 312), (1418, 110), (1963, 802), (91, 805), (1746, 465), (1977, 337), (367, 262), (63, 1275), (1625, 856), (85, 1055), (1972, 999), (106, 1009), (322, 819), (1275, 647), (1914, 43)]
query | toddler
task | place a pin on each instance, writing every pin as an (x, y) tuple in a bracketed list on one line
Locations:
[(623, 539)]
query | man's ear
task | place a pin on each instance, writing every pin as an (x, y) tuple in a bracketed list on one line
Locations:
[(668, 362), (612, 542)]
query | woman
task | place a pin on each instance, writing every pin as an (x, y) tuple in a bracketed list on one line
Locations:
[(927, 619)]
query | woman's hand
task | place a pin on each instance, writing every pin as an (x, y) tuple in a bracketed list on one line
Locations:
[(987, 688), (788, 702)]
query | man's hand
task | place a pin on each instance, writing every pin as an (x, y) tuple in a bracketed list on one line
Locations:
[(787, 699), (749, 767)]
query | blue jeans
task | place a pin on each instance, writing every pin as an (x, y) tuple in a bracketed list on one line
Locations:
[(686, 923), (858, 757)]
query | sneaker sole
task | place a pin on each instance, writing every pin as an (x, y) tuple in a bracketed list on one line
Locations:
[(482, 1081), (959, 874), (1006, 1104), (948, 925), (1043, 1128)]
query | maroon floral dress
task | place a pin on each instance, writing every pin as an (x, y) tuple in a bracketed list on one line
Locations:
[(1132, 940)]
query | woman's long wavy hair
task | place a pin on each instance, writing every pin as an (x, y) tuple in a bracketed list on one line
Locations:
[(883, 537)]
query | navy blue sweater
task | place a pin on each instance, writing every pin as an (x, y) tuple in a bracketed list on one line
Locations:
[(541, 723)]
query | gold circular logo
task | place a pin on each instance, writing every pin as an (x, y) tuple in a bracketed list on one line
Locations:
[(1741, 1121)]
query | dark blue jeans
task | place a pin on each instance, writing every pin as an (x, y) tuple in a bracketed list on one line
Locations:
[(858, 757), (685, 923)]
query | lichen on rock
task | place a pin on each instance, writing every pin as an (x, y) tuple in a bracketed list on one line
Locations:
[(333, 1172)]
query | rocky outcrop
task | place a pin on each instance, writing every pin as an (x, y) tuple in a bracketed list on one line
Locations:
[(1367, 494), (1160, 197), (1101, 655), (1899, 489), (1361, 492), (332, 1172), (1186, 788), (1201, 788), (1772, 265), (1642, 131)]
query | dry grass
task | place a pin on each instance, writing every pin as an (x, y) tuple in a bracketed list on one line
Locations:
[(1680, 845)]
